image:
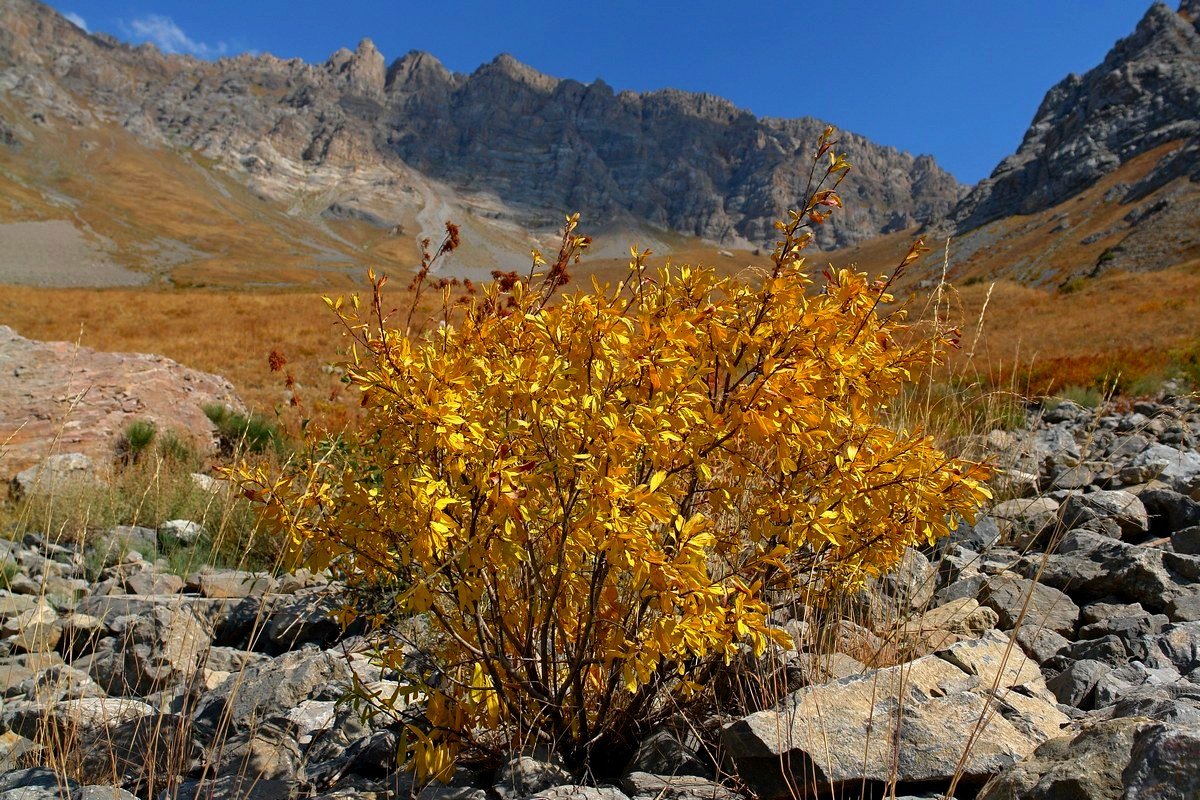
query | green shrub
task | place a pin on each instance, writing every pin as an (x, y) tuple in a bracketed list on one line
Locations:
[(1085, 396), (1072, 285), (241, 433)]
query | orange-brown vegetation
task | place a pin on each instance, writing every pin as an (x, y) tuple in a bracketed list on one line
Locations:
[(229, 333), (1123, 329), (1127, 324)]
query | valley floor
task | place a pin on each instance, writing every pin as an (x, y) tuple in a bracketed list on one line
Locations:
[(1132, 329)]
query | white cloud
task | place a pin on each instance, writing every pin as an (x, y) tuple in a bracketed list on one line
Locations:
[(77, 21), (164, 34)]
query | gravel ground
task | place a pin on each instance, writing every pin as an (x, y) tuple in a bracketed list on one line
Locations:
[(55, 253)]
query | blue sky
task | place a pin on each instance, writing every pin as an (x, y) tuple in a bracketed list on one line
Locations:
[(959, 79)]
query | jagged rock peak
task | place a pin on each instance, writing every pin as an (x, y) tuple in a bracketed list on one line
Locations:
[(363, 70), (1144, 94), (507, 65), (417, 70)]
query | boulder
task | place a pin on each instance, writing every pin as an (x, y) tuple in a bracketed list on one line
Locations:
[(101, 792), (1075, 686), (1132, 681), (1135, 631), (1108, 649), (1187, 540), (523, 776), (235, 583), (310, 718), (37, 783), (1087, 766), (1169, 511), (56, 474), (266, 751), (14, 750), (1164, 763), (1024, 521), (580, 793), (55, 684), (1179, 646), (1179, 469), (981, 536), (151, 582), (304, 618), (180, 531), (942, 626), (1043, 606), (995, 661), (1161, 695), (1040, 643), (209, 484), (674, 748), (19, 667), (35, 630), (1090, 566), (213, 611), (911, 584), (645, 786), (1077, 477), (1120, 506), (163, 647), (274, 688), (848, 731), (235, 787), (41, 405), (1108, 760), (31, 719), (133, 536), (1184, 607)]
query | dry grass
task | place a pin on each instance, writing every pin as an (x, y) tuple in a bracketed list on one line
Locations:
[(1121, 327), (1122, 323), (224, 332)]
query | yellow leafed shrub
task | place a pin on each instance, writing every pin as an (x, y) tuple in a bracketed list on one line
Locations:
[(591, 497)]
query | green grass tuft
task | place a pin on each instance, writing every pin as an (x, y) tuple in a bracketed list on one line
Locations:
[(241, 433), (136, 439)]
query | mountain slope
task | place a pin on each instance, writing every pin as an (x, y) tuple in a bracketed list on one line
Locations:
[(1144, 94), (360, 150), (1107, 176)]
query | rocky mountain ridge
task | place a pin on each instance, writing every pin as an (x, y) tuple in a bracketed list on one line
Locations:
[(1107, 176), (1146, 93), (385, 143)]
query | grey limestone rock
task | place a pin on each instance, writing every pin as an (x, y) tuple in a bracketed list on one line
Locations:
[(1144, 94), (691, 163)]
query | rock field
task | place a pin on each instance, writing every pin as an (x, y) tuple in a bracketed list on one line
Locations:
[(1052, 650)]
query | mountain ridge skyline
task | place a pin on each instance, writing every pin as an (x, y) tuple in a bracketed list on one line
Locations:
[(851, 85)]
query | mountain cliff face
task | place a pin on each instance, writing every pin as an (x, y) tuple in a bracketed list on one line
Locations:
[(1146, 93), (1106, 178), (382, 143)]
